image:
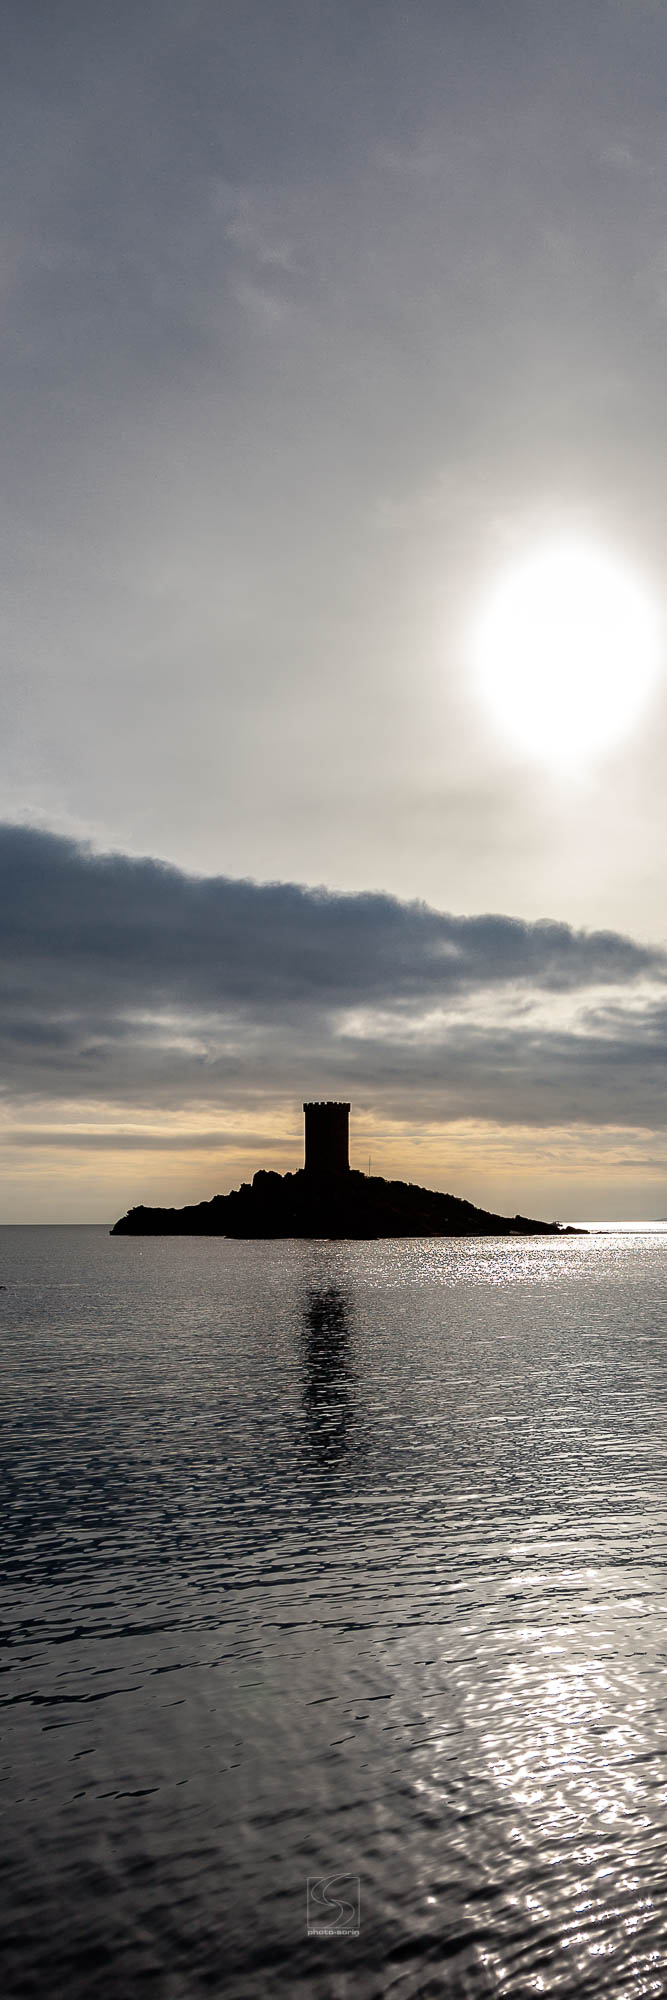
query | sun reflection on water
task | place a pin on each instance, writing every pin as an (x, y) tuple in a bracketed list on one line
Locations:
[(567, 1740)]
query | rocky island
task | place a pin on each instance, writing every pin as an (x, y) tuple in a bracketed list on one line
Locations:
[(326, 1197)]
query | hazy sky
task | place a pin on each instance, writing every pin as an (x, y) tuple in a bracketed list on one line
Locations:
[(318, 319)]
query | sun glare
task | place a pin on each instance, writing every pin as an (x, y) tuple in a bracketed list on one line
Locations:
[(566, 653)]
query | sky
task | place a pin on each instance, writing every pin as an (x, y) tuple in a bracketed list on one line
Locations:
[(322, 325)]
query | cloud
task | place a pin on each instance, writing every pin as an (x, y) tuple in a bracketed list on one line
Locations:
[(126, 981), (80, 1139)]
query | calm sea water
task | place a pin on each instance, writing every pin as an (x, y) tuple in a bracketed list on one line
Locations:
[(334, 1561)]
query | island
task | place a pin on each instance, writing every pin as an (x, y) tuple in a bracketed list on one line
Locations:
[(328, 1198)]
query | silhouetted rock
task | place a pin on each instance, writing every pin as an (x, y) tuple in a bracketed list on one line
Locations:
[(334, 1205)]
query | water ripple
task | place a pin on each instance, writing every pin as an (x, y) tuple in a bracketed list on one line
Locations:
[(328, 1560)]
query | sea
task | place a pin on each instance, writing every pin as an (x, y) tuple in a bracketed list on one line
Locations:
[(334, 1617)]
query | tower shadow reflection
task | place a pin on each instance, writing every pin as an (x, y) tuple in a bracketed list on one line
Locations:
[(329, 1374)]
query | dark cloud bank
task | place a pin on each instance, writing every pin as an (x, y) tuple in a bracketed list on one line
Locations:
[(127, 981)]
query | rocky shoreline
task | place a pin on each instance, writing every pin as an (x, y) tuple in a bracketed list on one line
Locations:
[(350, 1205)]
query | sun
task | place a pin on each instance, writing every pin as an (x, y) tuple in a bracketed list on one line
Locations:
[(566, 652)]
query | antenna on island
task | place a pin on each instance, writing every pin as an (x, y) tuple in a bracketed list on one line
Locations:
[(369, 1166)]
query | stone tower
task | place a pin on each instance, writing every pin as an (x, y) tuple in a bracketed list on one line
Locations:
[(327, 1138)]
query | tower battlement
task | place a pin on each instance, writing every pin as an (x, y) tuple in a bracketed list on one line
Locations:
[(327, 1138)]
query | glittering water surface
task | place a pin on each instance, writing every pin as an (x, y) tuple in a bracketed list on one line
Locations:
[(332, 1560)]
